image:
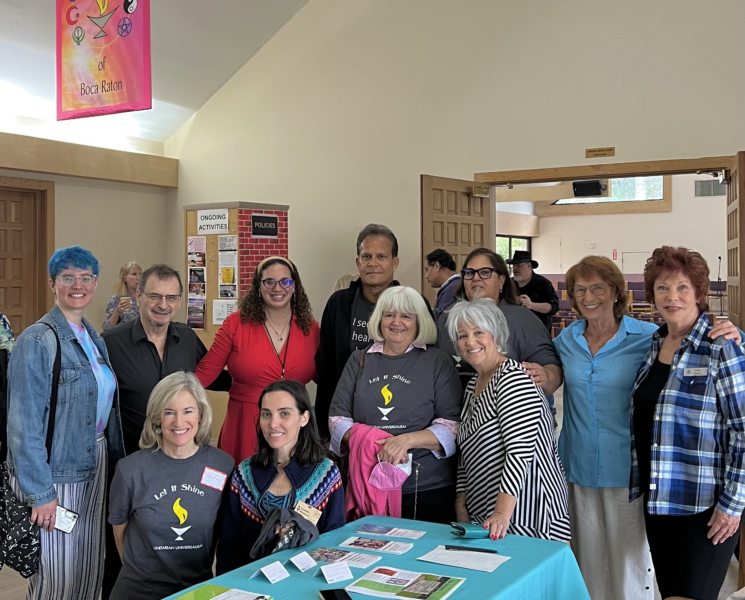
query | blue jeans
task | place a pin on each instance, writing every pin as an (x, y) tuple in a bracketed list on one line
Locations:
[(551, 404)]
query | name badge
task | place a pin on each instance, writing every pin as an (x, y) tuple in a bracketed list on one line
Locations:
[(214, 479), (65, 520), (695, 372), (308, 512)]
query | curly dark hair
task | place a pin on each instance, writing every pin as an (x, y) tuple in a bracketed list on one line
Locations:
[(251, 305), (669, 259)]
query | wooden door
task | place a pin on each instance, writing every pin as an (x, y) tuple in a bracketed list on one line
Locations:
[(18, 260), (735, 233), (455, 220)]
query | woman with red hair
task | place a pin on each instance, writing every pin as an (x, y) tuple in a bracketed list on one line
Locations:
[(688, 432)]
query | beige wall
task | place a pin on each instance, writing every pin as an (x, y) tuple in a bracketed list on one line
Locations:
[(117, 222), (340, 113), (697, 223)]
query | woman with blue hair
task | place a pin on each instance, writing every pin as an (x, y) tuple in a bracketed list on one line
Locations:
[(87, 431)]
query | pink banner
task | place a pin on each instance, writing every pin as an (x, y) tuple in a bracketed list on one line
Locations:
[(103, 57)]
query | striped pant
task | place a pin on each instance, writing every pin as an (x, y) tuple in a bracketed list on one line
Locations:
[(71, 564)]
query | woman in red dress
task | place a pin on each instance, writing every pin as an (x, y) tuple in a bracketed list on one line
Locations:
[(272, 336)]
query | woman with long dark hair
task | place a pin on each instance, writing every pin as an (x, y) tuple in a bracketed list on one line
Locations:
[(272, 336), (289, 467), (485, 275)]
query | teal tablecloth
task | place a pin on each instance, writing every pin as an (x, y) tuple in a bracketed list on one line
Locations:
[(536, 569)]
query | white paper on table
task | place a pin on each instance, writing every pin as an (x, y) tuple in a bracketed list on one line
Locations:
[(371, 529), (359, 560), (336, 572), (476, 561), (241, 595), (274, 572), (303, 562)]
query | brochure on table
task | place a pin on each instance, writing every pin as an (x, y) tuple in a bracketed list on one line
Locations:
[(218, 592), (334, 555), (388, 582), (371, 529), (376, 545)]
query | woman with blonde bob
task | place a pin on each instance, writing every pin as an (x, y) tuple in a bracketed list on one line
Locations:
[(405, 387), (165, 498), (122, 306), (510, 478)]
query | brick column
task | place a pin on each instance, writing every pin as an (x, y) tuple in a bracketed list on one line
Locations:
[(251, 250)]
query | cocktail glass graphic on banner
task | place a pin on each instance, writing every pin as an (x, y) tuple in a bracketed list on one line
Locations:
[(387, 396), (101, 21), (182, 515)]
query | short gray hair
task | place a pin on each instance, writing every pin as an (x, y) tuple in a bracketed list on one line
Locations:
[(162, 395), (404, 300), (484, 314)]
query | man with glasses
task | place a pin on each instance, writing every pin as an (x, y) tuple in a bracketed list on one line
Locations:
[(142, 352)]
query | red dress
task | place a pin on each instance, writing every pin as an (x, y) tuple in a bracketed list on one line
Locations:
[(253, 364)]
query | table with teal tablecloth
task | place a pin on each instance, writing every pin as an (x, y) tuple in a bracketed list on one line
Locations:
[(537, 569)]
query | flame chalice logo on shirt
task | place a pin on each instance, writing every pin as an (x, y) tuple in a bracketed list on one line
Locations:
[(387, 397), (182, 515)]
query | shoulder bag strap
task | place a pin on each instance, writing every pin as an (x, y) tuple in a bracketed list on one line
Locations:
[(53, 399)]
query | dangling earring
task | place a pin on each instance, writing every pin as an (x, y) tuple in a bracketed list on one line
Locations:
[(293, 300), (158, 430)]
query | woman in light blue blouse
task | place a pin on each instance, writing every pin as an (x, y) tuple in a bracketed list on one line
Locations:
[(601, 354)]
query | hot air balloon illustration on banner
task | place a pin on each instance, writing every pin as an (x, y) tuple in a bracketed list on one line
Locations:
[(103, 57)]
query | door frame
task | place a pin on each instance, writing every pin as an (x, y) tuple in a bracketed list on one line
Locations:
[(44, 235)]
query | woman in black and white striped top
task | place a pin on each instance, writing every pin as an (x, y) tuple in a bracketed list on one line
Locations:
[(510, 477)]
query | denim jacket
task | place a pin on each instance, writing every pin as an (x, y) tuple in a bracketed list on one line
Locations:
[(73, 457)]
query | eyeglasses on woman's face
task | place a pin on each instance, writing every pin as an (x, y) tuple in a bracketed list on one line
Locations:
[(87, 279), (270, 284), (597, 290), (484, 273)]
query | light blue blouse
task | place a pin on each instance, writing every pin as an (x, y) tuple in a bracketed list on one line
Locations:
[(595, 442)]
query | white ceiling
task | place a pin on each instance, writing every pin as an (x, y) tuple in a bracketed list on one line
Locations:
[(196, 48)]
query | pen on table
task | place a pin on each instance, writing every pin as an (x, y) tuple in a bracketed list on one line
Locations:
[(468, 549)]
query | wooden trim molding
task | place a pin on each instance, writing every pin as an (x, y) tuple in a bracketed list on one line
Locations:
[(633, 169), (235, 204), (547, 209), (25, 153)]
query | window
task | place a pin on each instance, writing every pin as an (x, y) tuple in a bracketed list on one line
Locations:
[(627, 189), (506, 245)]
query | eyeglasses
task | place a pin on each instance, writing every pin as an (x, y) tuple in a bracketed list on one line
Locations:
[(158, 298), (484, 273), (597, 290), (68, 280), (271, 283)]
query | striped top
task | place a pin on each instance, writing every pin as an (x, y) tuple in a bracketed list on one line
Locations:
[(508, 446)]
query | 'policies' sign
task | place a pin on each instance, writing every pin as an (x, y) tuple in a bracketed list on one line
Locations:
[(212, 221)]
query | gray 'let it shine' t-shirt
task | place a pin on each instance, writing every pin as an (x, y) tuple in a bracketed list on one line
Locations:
[(170, 506), (403, 394)]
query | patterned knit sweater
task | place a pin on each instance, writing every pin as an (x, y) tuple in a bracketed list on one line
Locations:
[(243, 511)]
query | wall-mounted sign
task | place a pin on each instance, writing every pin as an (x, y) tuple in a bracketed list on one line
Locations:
[(600, 152), (103, 57), (212, 221), (264, 226)]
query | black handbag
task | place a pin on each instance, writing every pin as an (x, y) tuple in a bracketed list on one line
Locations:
[(19, 538)]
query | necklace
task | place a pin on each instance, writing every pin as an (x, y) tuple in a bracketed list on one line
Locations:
[(279, 335), (282, 361)]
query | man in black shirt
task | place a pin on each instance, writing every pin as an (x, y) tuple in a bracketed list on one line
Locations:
[(142, 352), (536, 292), (344, 321)]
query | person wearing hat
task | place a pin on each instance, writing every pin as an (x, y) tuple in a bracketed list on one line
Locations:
[(536, 292)]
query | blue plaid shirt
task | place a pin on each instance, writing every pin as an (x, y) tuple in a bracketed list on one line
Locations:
[(698, 439)]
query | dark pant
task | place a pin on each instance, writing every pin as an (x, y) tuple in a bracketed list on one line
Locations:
[(686, 563), (433, 506)]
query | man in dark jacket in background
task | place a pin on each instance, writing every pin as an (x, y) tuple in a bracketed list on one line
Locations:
[(536, 292), (344, 321)]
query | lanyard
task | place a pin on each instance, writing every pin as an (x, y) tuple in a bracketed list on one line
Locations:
[(281, 360)]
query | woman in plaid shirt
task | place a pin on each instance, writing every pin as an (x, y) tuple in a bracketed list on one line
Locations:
[(688, 432)]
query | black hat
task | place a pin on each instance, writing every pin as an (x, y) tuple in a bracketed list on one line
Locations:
[(522, 256)]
